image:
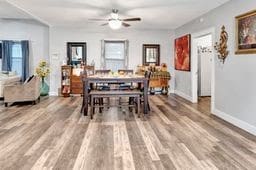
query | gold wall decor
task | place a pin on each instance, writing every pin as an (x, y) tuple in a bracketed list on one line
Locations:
[(221, 47)]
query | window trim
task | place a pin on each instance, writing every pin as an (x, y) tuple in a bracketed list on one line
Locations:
[(103, 52)]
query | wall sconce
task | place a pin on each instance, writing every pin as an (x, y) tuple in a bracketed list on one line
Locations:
[(221, 47)]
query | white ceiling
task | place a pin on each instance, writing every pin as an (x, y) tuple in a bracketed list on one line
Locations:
[(155, 14), (9, 11)]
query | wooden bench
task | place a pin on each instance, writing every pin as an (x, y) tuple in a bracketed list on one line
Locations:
[(117, 94)]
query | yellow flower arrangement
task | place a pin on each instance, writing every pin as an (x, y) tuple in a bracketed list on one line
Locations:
[(43, 70)]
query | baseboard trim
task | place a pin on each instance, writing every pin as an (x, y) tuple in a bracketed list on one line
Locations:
[(53, 94), (235, 121), (181, 94), (171, 91)]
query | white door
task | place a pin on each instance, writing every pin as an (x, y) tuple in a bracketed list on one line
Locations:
[(205, 72)]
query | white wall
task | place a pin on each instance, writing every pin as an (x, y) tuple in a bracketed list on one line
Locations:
[(36, 33), (235, 92), (205, 41), (60, 36)]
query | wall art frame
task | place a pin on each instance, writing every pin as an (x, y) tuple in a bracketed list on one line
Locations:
[(182, 49), (246, 33)]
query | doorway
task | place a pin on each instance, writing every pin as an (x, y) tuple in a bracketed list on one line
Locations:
[(203, 77), (204, 53)]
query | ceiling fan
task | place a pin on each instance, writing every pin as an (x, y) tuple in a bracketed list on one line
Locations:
[(115, 22)]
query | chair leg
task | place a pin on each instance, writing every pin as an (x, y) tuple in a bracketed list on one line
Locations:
[(108, 102), (138, 105), (83, 103), (89, 100), (119, 102), (131, 101), (92, 107), (101, 104), (6, 104)]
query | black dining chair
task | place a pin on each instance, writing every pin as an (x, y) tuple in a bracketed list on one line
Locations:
[(102, 87), (125, 86)]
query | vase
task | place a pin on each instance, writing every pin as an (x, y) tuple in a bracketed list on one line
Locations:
[(44, 89)]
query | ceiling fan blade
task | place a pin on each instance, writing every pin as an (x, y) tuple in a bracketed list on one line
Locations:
[(125, 24), (96, 19), (104, 24), (132, 19)]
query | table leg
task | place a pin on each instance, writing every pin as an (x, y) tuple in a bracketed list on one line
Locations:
[(145, 95), (86, 96), (83, 102), (138, 105)]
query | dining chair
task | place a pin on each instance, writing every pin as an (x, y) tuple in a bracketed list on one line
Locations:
[(89, 69), (102, 72), (102, 87), (125, 86), (94, 102), (125, 71)]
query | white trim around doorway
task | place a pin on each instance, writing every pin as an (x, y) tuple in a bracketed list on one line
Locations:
[(194, 66)]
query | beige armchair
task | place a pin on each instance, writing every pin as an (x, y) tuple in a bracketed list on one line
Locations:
[(29, 91)]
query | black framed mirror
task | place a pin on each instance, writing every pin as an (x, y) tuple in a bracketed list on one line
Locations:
[(76, 53), (151, 54)]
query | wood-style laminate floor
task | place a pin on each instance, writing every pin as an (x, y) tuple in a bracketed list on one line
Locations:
[(176, 135)]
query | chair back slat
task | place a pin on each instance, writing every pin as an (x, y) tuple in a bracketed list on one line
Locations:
[(125, 71), (102, 71), (89, 69)]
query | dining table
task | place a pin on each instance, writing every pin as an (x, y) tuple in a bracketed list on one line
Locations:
[(89, 80)]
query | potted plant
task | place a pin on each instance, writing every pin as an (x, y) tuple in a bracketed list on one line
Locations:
[(43, 71)]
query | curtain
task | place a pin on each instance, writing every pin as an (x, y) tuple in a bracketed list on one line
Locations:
[(102, 63), (25, 59), (126, 53), (7, 55)]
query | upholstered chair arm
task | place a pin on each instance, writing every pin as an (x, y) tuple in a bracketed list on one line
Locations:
[(25, 92), (12, 91)]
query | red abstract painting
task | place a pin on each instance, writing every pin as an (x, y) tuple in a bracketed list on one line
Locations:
[(182, 53)]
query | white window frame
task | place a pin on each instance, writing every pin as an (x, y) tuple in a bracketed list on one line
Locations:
[(103, 57)]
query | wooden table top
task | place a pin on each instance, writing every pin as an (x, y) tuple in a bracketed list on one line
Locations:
[(116, 77)]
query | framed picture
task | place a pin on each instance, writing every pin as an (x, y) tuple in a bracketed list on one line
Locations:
[(246, 33), (182, 53), (76, 53), (151, 54)]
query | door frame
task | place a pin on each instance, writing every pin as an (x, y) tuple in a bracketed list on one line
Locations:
[(194, 65)]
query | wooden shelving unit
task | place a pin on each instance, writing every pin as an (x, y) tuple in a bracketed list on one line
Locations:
[(76, 83), (66, 72)]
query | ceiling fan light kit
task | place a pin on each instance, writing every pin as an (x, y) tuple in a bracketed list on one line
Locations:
[(115, 24)]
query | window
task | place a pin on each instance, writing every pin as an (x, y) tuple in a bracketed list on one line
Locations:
[(115, 55), (17, 58)]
